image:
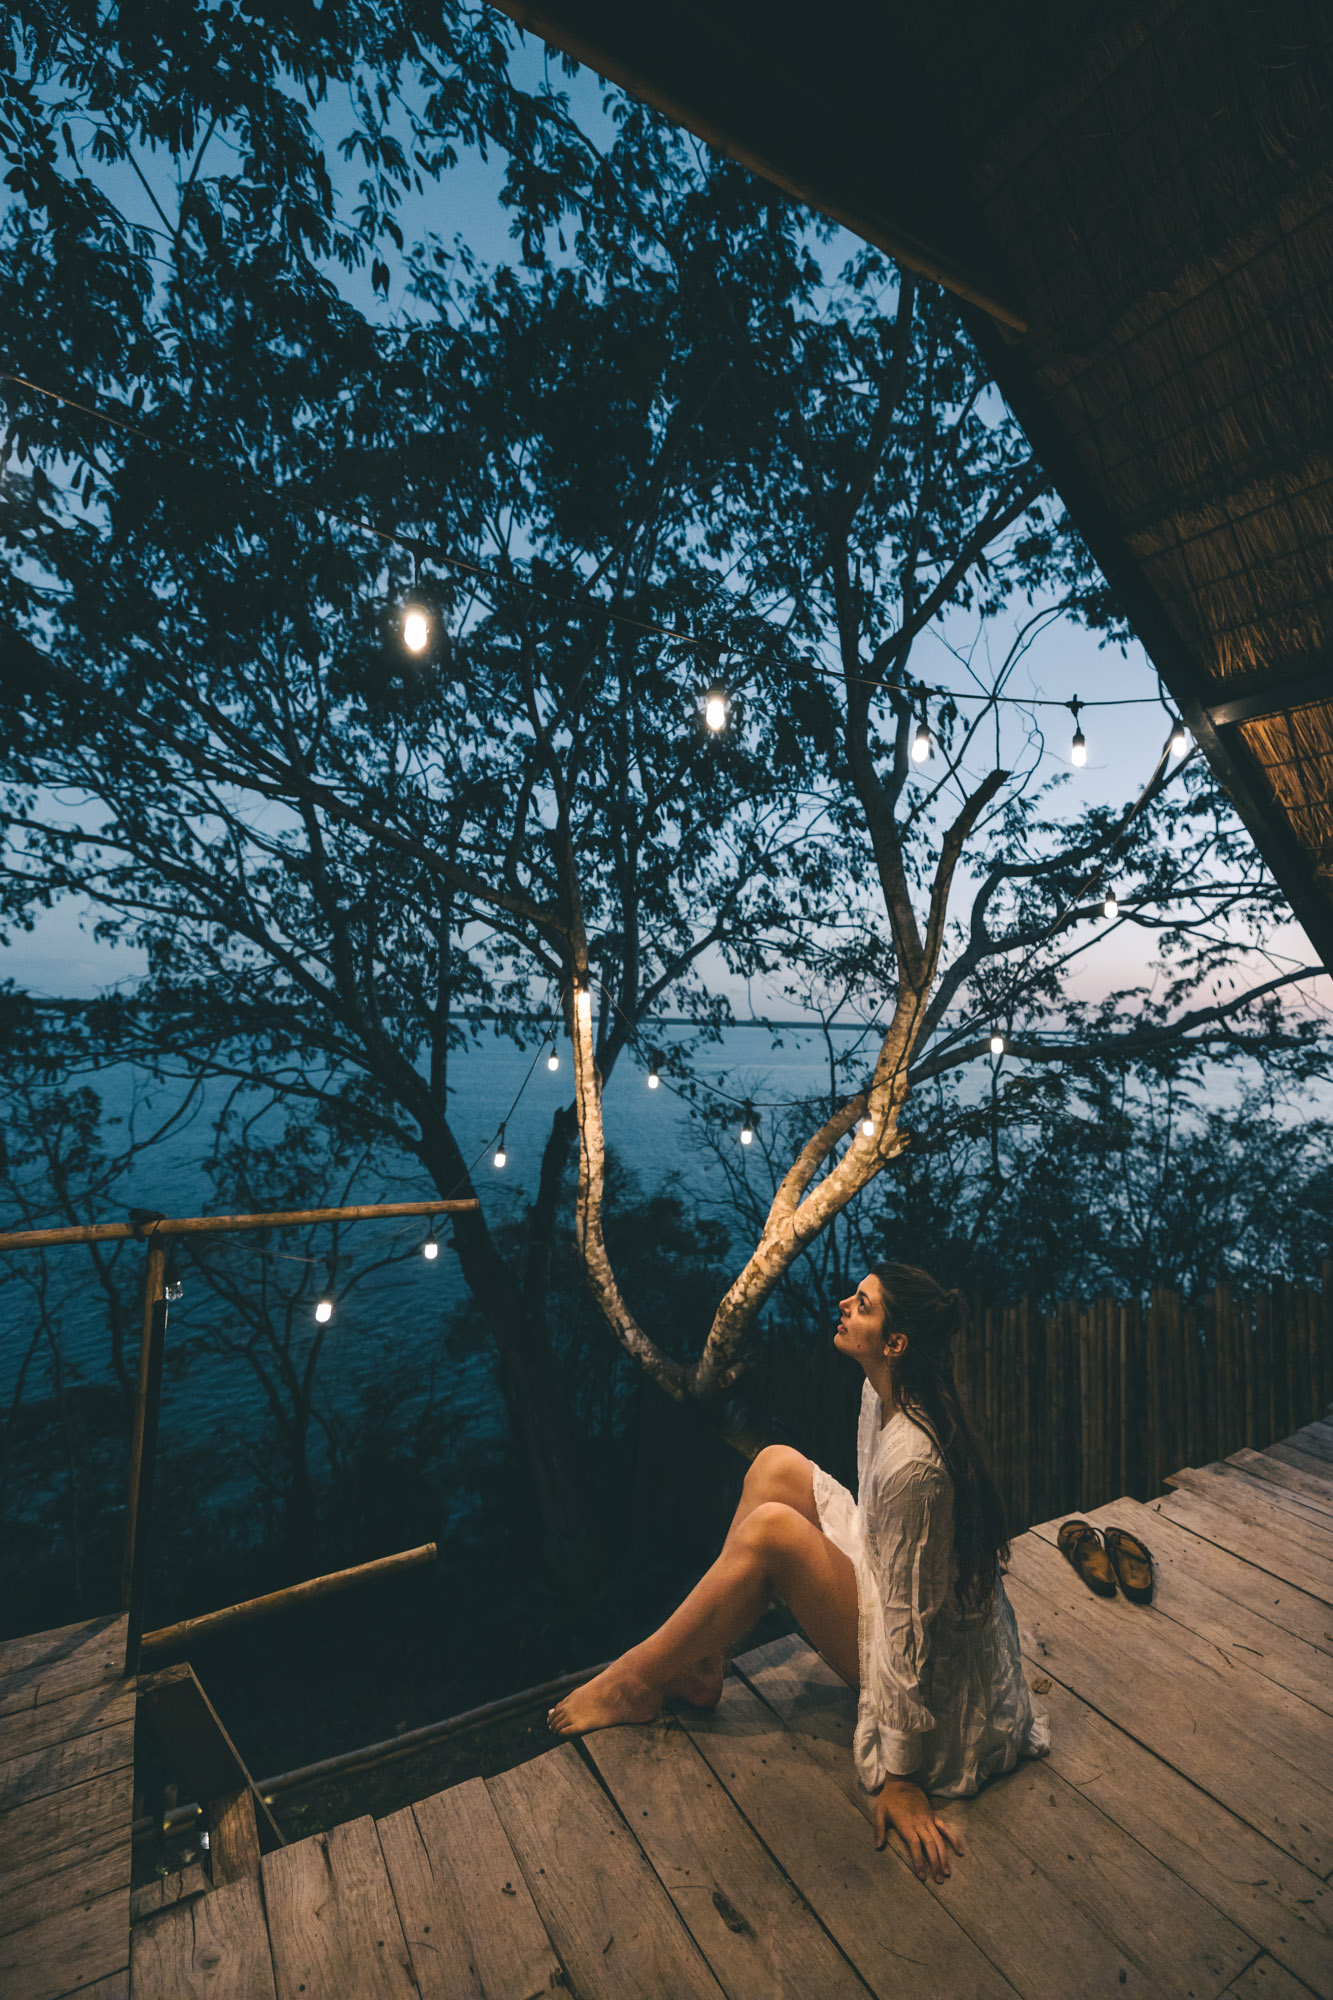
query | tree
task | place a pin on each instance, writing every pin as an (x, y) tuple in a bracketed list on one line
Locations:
[(671, 454)]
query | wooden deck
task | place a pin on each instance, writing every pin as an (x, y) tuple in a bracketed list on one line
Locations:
[(1177, 1842)]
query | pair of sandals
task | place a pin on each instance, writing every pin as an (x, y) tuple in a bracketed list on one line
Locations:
[(1122, 1560)]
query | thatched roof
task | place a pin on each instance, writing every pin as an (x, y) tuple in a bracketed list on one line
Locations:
[(1138, 208)]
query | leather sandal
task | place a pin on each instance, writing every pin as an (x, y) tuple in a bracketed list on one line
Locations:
[(1132, 1564), (1081, 1543)]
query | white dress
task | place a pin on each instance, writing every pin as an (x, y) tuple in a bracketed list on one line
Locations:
[(943, 1699)]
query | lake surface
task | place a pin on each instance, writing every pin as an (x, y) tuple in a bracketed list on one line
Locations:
[(396, 1316)]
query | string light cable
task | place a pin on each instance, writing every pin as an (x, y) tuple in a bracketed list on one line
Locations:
[(416, 623)]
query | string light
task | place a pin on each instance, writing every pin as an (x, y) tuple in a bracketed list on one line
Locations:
[(1110, 908), (715, 709), (655, 1073), (500, 1154), (1078, 749), (867, 1127), (997, 1043), (553, 1060), (430, 1249), (416, 629), (1179, 740), (923, 745), (324, 1308), (748, 1126)]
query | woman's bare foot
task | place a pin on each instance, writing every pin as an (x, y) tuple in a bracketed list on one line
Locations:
[(616, 1695), (700, 1684)]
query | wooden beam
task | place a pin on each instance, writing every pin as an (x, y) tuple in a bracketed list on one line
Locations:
[(173, 1638), (198, 1746), (208, 1225), (1278, 698)]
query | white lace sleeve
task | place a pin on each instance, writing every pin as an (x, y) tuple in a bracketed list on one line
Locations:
[(907, 1517)]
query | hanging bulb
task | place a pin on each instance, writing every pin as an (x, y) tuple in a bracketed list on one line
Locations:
[(997, 1043), (748, 1125), (500, 1154), (324, 1309), (553, 1060), (867, 1127), (430, 1249), (922, 744), (1110, 908), (1179, 740), (416, 629), (1078, 749), (654, 1074), (715, 709)]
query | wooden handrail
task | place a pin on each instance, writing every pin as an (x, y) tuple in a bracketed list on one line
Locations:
[(173, 1638), (201, 1225)]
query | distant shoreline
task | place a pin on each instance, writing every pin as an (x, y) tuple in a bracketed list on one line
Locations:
[(543, 1020)]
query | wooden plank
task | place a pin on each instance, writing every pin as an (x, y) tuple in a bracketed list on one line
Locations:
[(1219, 1724), (1316, 1439), (197, 1743), (165, 1890), (887, 1922), (45, 1666), (467, 1914), (1084, 1881), (759, 1936), (1275, 1472), (82, 1817), (1293, 1663), (1231, 1487), (102, 1706), (212, 1947), (116, 1986), (1226, 1574), (1266, 1980), (40, 1889), (233, 1836), (1258, 1542), (333, 1925), (65, 1764), (605, 1911), (1271, 1897), (1290, 1454), (67, 1950)]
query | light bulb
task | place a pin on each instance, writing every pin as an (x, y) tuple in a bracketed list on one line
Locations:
[(416, 630), (1078, 749), (430, 1249), (553, 1060), (921, 744), (747, 1135), (867, 1127), (324, 1310), (715, 709), (500, 1156), (1110, 908), (654, 1080), (997, 1043), (1179, 741)]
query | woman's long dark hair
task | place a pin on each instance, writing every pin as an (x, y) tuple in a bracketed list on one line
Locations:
[(923, 1381)]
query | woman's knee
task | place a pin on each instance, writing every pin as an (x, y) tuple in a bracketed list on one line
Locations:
[(779, 1472), (771, 1528)]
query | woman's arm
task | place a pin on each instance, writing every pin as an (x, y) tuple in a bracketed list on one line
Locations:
[(907, 1517)]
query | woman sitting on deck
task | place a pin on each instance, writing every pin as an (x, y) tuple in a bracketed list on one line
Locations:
[(900, 1590)]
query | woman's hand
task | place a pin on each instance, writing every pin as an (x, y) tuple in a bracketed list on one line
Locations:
[(903, 1810)]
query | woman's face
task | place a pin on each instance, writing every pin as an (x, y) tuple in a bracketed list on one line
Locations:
[(861, 1322)]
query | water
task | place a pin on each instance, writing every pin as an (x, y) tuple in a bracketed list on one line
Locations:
[(396, 1309)]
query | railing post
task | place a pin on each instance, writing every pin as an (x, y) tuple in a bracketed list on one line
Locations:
[(143, 1451)]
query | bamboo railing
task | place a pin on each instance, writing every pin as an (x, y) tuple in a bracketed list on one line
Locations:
[(1090, 1401)]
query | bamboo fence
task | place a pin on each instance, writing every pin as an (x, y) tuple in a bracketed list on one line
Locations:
[(1089, 1401)]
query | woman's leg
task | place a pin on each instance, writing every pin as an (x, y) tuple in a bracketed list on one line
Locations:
[(774, 1549), (776, 1473)]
